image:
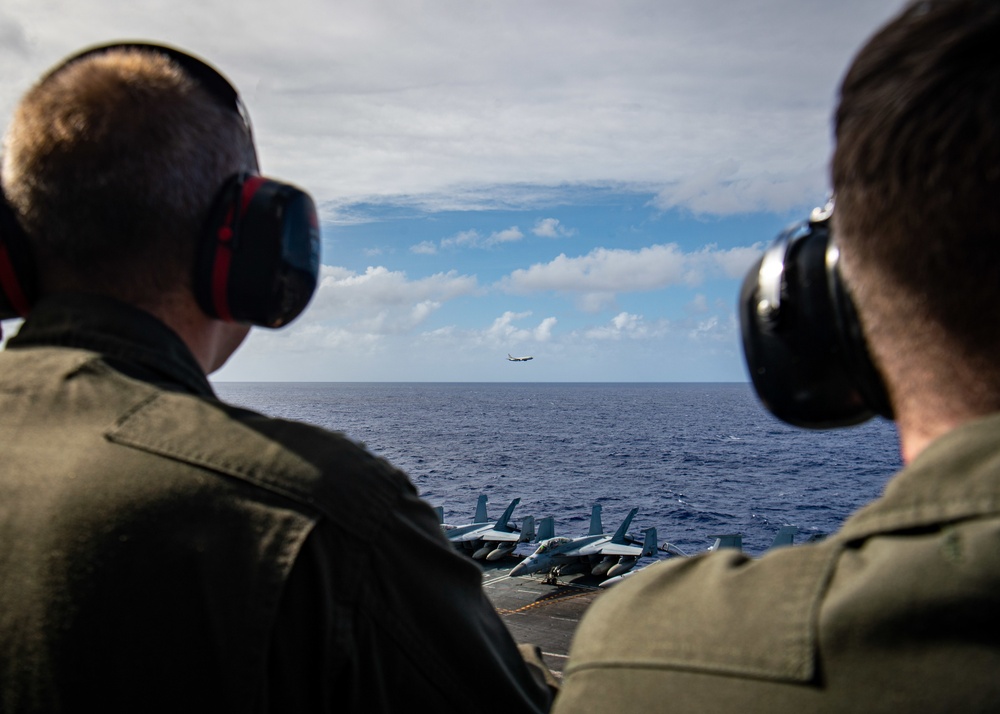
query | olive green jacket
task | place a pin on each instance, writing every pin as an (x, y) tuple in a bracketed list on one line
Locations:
[(163, 551), (897, 612)]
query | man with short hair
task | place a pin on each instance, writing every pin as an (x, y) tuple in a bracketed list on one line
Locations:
[(899, 610), (164, 551)]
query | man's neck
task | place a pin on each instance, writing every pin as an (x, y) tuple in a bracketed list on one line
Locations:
[(928, 418), (211, 341)]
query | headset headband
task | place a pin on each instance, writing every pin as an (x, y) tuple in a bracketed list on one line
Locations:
[(257, 260), (207, 77)]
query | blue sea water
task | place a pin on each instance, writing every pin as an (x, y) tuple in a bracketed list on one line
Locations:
[(696, 459)]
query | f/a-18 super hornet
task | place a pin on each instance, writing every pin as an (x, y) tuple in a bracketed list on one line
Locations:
[(492, 541), (784, 537), (479, 519), (597, 552)]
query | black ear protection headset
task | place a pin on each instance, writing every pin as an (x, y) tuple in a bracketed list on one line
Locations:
[(802, 339), (258, 256)]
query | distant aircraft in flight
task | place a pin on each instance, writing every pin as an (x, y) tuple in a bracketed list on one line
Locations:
[(517, 359), (597, 552)]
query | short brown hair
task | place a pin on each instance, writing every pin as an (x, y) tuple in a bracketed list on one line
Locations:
[(111, 163), (916, 174)]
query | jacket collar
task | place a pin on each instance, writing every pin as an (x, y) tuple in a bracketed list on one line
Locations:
[(131, 340), (955, 478)]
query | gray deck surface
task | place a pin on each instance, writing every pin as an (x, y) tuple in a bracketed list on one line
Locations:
[(539, 613)]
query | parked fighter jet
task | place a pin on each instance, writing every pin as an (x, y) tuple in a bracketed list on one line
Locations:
[(785, 536), (498, 543), (482, 539), (518, 359), (727, 540), (479, 519), (597, 552)]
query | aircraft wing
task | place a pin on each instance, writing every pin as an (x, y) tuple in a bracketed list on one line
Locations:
[(481, 531), (619, 549), (502, 536), (470, 532), (618, 543), (510, 535)]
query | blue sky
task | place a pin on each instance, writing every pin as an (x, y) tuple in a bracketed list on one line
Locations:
[(582, 181)]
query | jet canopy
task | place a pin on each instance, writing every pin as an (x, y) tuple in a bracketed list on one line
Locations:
[(552, 543)]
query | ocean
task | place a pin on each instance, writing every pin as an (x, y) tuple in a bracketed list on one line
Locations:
[(697, 460)]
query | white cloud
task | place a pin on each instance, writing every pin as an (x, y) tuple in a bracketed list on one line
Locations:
[(705, 327), (305, 337), (426, 247), (503, 331), (715, 329), (543, 333), (469, 238), (551, 228), (735, 262), (698, 305), (354, 317), (421, 311), (627, 325), (596, 302), (386, 100), (506, 236), (473, 239), (606, 271), (724, 189), (713, 108), (380, 300), (602, 270)]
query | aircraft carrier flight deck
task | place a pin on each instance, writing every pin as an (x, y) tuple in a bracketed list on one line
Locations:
[(539, 613)]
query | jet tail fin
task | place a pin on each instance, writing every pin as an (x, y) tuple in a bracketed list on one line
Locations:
[(481, 516), (784, 536), (648, 543), (728, 540), (596, 528), (503, 522), (619, 536), (527, 529), (546, 529), (439, 510)]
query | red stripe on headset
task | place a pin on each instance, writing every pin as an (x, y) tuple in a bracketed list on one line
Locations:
[(220, 270), (250, 187), (10, 284), (224, 248)]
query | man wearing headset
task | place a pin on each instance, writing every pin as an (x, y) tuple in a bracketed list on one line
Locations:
[(161, 550), (899, 610)]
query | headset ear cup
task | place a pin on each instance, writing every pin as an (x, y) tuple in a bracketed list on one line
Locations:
[(18, 274), (863, 373), (259, 259), (213, 259), (276, 264), (805, 354)]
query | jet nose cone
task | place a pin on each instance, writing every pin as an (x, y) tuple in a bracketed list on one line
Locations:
[(517, 570)]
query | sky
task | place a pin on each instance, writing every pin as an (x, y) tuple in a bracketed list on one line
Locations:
[(582, 181)]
